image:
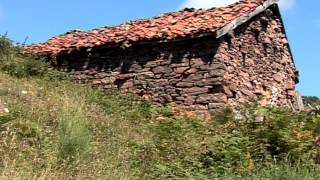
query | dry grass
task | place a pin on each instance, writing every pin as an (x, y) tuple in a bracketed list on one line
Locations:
[(30, 139)]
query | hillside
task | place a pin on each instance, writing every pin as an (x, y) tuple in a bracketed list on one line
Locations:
[(52, 128)]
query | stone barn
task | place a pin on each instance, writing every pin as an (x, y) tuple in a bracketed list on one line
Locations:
[(197, 59)]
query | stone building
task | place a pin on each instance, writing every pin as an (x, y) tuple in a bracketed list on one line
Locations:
[(199, 59)]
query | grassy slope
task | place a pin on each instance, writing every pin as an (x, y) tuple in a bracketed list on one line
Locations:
[(60, 130), (30, 138)]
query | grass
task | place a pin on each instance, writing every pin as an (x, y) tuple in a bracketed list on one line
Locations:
[(54, 121), (74, 136), (56, 129)]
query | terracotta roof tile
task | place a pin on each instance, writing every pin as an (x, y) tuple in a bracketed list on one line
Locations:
[(170, 26)]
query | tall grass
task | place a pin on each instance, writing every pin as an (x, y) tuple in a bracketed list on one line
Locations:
[(74, 136)]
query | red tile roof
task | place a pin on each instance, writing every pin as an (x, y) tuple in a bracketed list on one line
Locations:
[(186, 23)]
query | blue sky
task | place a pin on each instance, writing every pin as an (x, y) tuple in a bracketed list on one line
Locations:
[(41, 19)]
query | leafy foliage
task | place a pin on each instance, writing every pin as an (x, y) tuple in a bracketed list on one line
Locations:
[(233, 143), (19, 65)]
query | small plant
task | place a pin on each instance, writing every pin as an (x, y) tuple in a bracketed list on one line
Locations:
[(5, 118), (166, 110), (126, 106), (223, 116), (74, 137)]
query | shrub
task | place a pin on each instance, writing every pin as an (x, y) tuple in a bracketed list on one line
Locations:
[(6, 47), (25, 67), (17, 64), (233, 143), (275, 133)]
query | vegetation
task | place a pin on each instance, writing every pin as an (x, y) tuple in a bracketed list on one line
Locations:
[(60, 130), (311, 100)]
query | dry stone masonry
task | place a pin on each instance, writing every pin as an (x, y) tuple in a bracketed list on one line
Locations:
[(249, 61)]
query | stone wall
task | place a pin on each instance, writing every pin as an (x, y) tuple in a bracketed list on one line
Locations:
[(197, 74), (259, 62)]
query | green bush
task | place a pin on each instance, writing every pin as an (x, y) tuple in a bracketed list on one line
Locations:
[(17, 64), (6, 48), (24, 68), (233, 143)]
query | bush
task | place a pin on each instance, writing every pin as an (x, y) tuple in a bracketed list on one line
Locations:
[(233, 143), (17, 64), (6, 47), (24, 68)]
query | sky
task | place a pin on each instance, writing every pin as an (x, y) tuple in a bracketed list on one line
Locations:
[(38, 20)]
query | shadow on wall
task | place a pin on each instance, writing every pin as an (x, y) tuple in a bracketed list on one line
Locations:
[(141, 57)]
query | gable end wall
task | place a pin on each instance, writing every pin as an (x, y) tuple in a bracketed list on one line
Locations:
[(259, 62)]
